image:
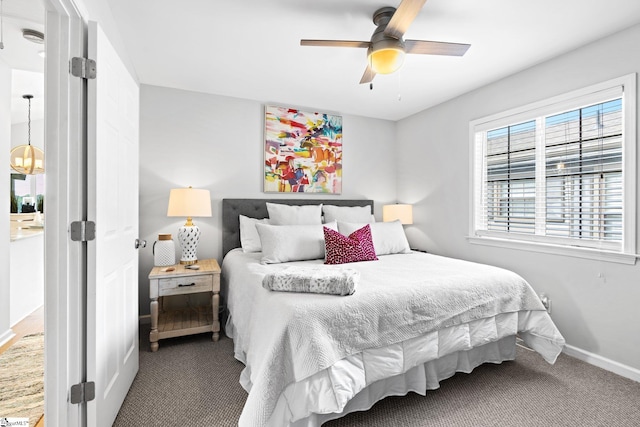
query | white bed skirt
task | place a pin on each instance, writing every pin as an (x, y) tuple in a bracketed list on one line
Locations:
[(419, 379), (356, 382)]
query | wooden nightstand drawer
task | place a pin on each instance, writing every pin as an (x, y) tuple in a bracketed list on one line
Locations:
[(185, 284)]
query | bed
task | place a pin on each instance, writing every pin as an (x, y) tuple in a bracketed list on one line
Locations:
[(414, 319)]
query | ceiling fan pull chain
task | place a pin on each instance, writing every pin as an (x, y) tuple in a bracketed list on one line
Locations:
[(399, 86), (370, 74)]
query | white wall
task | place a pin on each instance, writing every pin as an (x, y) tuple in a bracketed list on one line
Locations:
[(100, 11), (216, 143), (5, 137), (26, 276), (26, 265), (597, 315), (20, 134)]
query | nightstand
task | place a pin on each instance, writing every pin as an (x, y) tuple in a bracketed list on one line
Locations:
[(189, 320)]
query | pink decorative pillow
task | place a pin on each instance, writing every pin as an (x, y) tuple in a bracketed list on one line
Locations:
[(340, 249)]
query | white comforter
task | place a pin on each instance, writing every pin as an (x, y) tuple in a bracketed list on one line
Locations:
[(284, 338)]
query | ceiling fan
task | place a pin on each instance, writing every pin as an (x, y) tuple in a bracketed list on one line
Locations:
[(387, 47)]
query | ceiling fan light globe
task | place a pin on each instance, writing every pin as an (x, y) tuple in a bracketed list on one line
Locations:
[(387, 60)]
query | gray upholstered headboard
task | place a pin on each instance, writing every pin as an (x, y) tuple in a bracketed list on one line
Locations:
[(257, 208)]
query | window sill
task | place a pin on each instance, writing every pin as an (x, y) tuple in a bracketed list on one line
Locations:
[(587, 253)]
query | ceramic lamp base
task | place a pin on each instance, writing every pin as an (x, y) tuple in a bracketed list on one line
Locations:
[(189, 236)]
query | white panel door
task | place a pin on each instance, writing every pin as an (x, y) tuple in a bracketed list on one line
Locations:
[(112, 265)]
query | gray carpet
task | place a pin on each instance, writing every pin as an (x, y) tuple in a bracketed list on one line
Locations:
[(193, 381)]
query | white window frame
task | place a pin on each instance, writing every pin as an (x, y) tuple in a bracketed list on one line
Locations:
[(624, 253)]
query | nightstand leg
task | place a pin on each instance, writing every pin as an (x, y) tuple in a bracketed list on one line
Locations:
[(215, 306), (153, 335)]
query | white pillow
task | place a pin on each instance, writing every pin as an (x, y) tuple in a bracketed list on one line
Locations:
[(284, 243), (358, 214), (249, 237), (294, 215), (388, 237)]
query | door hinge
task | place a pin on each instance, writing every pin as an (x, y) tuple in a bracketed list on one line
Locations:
[(83, 68), (83, 231), (83, 392)]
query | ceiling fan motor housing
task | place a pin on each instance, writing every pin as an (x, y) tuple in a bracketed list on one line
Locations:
[(385, 53)]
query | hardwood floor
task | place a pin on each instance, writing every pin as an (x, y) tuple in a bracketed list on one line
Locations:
[(31, 324)]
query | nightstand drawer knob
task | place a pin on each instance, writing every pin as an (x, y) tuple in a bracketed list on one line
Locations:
[(185, 285)]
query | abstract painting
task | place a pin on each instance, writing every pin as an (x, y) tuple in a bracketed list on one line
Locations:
[(302, 152)]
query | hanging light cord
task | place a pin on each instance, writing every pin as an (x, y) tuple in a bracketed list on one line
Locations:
[(28, 98), (1, 27), (29, 120)]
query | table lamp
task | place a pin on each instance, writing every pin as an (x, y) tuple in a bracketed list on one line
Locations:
[(189, 202), (398, 211)]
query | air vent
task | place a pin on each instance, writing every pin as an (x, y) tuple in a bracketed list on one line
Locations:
[(33, 36)]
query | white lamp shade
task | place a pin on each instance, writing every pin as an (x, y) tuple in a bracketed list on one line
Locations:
[(189, 202), (398, 211)]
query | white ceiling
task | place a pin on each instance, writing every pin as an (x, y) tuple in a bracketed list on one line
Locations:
[(23, 58), (250, 49), (22, 83)]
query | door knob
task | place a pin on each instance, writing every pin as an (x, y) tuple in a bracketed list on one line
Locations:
[(140, 243)]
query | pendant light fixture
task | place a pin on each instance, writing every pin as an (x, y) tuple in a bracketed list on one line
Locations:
[(27, 159)]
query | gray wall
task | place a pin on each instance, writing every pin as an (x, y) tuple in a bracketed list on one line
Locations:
[(216, 143), (597, 315)]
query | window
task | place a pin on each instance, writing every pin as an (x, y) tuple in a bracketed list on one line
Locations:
[(559, 175), (27, 193)]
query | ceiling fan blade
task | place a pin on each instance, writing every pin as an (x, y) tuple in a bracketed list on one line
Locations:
[(368, 75), (425, 47), (403, 17), (334, 43)]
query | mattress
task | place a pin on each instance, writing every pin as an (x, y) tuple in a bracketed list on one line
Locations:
[(353, 377)]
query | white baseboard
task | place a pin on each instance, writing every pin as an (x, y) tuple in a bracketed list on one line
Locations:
[(603, 362), (6, 336)]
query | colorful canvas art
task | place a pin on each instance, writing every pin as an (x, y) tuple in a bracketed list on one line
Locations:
[(302, 152)]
